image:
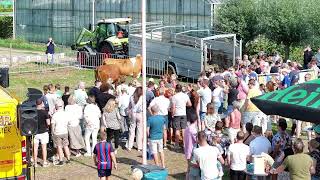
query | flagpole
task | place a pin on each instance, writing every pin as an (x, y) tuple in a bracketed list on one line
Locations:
[(144, 81)]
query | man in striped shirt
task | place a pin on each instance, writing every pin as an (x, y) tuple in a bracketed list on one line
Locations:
[(104, 157)]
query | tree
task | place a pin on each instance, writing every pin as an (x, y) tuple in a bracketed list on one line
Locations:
[(286, 22), (239, 16)]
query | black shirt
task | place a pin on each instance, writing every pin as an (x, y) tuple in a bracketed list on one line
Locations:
[(307, 56), (103, 98), (274, 69), (94, 92), (65, 98), (232, 96), (42, 121), (50, 48)]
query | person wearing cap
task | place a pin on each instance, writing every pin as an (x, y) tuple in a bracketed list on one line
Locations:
[(59, 130), (150, 92), (42, 135)]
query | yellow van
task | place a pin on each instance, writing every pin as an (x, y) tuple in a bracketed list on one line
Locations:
[(13, 152)]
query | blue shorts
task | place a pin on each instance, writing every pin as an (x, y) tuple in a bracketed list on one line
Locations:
[(202, 115), (104, 172)]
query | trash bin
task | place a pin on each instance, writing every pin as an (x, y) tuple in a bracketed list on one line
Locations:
[(4, 77)]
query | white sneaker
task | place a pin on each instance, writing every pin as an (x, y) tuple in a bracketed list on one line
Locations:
[(115, 152), (78, 155), (45, 164), (87, 155)]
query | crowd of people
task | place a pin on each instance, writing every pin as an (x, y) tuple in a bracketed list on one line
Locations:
[(213, 122)]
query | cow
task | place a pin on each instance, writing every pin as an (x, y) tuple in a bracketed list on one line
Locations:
[(127, 67), (107, 73)]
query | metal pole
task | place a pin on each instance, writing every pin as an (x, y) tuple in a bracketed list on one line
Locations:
[(234, 49), (202, 54), (93, 14), (14, 20), (144, 81)]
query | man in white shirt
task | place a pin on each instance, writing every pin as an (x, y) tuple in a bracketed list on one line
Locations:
[(207, 158), (205, 98), (260, 144), (179, 103), (217, 94), (164, 104), (81, 95), (51, 97), (59, 125), (237, 157)]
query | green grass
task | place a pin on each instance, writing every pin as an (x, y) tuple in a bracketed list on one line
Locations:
[(19, 83), (25, 45)]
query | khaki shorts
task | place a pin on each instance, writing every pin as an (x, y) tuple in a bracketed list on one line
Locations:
[(61, 140), (156, 146)]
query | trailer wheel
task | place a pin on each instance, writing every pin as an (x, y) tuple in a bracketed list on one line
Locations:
[(170, 69)]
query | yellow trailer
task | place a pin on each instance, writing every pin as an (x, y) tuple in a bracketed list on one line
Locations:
[(13, 151)]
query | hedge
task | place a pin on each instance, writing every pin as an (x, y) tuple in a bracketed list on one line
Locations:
[(6, 22)]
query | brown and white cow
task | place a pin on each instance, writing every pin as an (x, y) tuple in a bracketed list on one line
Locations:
[(113, 69), (127, 67)]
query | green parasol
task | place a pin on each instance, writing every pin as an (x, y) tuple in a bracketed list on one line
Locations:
[(300, 102)]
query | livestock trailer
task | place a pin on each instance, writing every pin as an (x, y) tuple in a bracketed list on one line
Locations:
[(184, 51)]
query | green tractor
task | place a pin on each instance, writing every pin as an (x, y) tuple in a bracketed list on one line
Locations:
[(109, 37)]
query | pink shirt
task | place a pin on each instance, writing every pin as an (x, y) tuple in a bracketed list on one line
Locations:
[(189, 140), (235, 119), (243, 91)]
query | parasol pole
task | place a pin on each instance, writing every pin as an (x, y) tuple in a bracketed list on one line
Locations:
[(144, 81)]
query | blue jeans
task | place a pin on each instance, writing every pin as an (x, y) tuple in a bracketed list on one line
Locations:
[(315, 178)]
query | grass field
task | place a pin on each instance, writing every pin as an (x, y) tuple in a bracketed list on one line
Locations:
[(19, 83)]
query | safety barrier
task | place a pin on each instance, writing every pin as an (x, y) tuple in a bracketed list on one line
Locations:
[(264, 78), (37, 63)]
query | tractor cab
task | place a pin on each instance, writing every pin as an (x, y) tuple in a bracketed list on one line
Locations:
[(107, 28), (110, 37)]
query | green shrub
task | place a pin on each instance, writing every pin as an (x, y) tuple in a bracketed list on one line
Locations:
[(6, 26)]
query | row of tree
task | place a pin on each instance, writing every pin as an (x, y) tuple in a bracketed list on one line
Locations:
[(288, 23)]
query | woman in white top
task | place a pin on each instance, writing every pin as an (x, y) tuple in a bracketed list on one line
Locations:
[(74, 129), (92, 116), (135, 112)]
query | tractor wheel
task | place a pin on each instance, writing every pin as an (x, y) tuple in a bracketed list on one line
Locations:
[(107, 49)]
